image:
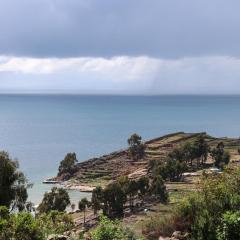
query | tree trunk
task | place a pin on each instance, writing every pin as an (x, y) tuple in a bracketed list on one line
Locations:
[(84, 217)]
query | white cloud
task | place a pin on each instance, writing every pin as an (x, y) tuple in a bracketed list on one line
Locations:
[(213, 74), (130, 67)]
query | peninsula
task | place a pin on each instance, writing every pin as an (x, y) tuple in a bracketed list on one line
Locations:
[(103, 170)]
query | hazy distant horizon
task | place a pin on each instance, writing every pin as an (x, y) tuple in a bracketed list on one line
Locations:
[(90, 93)]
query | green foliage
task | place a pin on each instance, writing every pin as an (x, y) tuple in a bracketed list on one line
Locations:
[(68, 164), (114, 199), (229, 228), (20, 226), (171, 169), (13, 184), (23, 226), (54, 222), (143, 185), (124, 183), (97, 199), (82, 205), (57, 199), (132, 191), (201, 212), (136, 147), (159, 189), (180, 159), (111, 230), (200, 149), (220, 156)]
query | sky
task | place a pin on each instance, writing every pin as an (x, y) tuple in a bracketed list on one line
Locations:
[(120, 46)]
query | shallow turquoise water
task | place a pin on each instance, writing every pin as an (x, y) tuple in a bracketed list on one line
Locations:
[(40, 129)]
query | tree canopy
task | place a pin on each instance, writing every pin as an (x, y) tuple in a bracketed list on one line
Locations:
[(68, 164), (136, 147), (220, 156), (13, 184), (57, 199)]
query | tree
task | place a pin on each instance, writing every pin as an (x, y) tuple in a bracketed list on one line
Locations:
[(220, 156), (57, 199), (124, 183), (82, 205), (190, 151), (171, 169), (114, 199), (132, 192), (97, 199), (201, 149), (159, 189), (136, 147), (143, 186), (13, 184), (68, 164), (175, 169)]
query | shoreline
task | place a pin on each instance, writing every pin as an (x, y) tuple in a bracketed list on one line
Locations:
[(70, 186), (79, 187)]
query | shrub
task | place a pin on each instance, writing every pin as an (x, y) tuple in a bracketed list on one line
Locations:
[(23, 226), (201, 212), (111, 230), (229, 228), (158, 225)]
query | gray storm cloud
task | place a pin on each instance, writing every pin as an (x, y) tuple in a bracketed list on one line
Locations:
[(158, 28), (120, 46)]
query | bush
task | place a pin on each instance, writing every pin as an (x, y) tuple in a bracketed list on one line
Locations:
[(54, 222), (229, 228), (201, 212), (23, 226), (20, 226), (158, 225), (111, 230)]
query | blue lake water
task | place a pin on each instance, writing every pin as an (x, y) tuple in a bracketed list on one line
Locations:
[(40, 129)]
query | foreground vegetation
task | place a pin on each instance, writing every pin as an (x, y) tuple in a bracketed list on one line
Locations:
[(203, 207)]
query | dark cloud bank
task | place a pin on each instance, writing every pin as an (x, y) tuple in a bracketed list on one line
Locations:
[(107, 28)]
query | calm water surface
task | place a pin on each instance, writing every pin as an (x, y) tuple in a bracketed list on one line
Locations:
[(40, 129)]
